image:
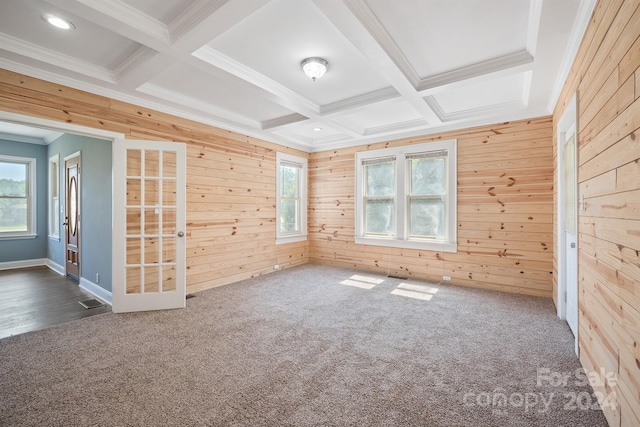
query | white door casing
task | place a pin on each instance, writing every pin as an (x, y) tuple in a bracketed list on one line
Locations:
[(571, 230), (149, 264), (567, 218)]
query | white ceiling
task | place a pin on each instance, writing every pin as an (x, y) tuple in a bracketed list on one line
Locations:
[(396, 67)]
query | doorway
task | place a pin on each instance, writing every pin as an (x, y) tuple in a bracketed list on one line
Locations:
[(94, 257), (567, 214)]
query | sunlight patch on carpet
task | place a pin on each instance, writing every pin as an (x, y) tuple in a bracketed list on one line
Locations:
[(410, 290), (362, 282)]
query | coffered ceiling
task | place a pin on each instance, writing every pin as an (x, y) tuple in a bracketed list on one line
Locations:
[(396, 67)]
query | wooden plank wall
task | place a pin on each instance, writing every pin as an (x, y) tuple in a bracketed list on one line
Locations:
[(505, 203), (231, 183), (606, 75)]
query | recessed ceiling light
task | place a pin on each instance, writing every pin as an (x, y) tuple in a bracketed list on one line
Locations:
[(317, 129), (58, 22)]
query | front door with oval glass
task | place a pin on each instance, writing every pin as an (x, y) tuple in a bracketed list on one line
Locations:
[(72, 217)]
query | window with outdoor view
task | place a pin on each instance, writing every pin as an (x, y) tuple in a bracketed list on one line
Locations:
[(54, 199), (17, 196), (406, 196), (291, 205)]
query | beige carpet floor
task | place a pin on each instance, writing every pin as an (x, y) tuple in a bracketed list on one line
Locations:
[(313, 345)]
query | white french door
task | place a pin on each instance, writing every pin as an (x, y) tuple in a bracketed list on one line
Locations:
[(149, 181)]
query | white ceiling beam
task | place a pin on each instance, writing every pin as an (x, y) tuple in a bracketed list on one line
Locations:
[(193, 28), (283, 121)]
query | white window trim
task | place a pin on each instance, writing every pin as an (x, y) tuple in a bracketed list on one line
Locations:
[(31, 214), (302, 236), (52, 215), (401, 239)]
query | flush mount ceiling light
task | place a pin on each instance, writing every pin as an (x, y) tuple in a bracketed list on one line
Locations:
[(318, 129), (58, 22), (314, 67)]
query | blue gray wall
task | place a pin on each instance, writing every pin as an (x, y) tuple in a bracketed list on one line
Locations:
[(95, 207), (25, 249)]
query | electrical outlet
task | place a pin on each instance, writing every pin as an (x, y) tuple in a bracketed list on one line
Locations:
[(276, 267), (447, 278), (97, 278)]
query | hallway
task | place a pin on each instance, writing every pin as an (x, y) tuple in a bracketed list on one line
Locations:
[(37, 298)]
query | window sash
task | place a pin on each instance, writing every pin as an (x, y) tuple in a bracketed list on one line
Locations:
[(437, 201), (431, 208), (18, 221), (291, 193), (284, 199), (390, 221), (414, 218), (385, 226), (296, 218)]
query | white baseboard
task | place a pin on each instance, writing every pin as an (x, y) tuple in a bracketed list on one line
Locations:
[(56, 267), (23, 263), (96, 291)]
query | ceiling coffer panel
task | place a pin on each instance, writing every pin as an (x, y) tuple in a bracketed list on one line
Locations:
[(443, 36), (278, 37), (215, 90)]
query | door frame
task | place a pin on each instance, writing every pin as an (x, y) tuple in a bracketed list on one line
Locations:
[(568, 120), (74, 129)]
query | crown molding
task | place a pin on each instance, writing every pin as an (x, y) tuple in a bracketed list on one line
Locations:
[(38, 53), (473, 112), (191, 16), (23, 138), (142, 55), (533, 25), (493, 65), (583, 18), (359, 101)]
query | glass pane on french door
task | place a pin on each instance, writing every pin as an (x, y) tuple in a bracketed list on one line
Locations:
[(150, 260)]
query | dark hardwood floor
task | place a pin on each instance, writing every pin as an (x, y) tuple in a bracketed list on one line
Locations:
[(38, 297)]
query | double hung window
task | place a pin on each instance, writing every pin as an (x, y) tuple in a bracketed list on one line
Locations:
[(291, 204), (17, 196), (406, 196)]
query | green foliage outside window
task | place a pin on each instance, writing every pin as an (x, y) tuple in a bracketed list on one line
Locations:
[(13, 203), (289, 198)]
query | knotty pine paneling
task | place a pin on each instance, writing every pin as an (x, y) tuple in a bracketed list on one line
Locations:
[(505, 208), (606, 76), (231, 178)]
